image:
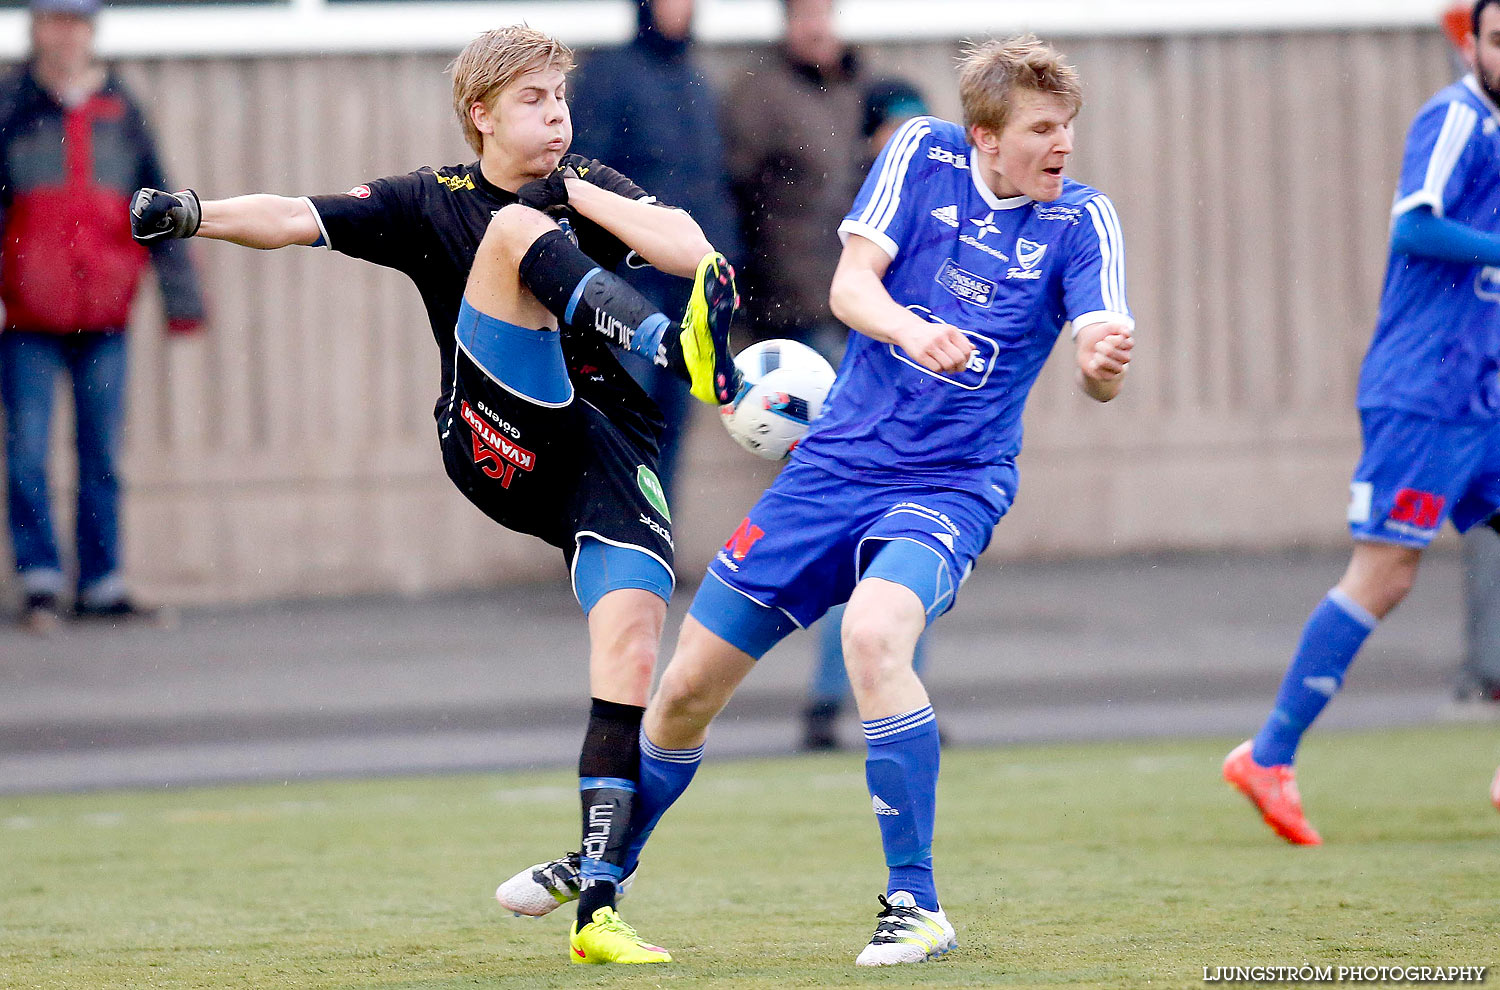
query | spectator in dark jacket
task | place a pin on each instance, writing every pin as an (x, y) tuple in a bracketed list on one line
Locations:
[(73, 145), (793, 131), (648, 111)]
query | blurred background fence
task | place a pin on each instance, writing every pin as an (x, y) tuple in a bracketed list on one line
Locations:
[(291, 450)]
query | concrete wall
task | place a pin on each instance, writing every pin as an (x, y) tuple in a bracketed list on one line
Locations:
[(291, 450)]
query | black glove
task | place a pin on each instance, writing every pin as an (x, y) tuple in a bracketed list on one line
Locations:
[(157, 215), (542, 194)]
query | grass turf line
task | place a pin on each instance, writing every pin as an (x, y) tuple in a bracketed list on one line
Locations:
[(1116, 865)]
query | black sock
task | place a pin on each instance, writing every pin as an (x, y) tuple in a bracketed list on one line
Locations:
[(611, 762), (584, 296)]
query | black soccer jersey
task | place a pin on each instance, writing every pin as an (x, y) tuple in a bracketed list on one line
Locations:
[(428, 224)]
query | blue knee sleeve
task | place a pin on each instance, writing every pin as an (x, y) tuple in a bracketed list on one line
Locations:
[(599, 568), (526, 362), (738, 619), (918, 567)]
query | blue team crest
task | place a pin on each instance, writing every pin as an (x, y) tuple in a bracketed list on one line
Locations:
[(1029, 253), (981, 362), (1487, 284)]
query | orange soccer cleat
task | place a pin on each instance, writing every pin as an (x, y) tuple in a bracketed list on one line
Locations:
[(1273, 790), (1495, 791)]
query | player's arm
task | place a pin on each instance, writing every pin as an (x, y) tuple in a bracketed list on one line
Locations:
[(1093, 284), (1103, 354), (260, 221), (1421, 233), (668, 239), (859, 298)]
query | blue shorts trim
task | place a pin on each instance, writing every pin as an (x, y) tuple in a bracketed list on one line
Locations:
[(913, 565), (527, 363), (601, 566), (738, 619)]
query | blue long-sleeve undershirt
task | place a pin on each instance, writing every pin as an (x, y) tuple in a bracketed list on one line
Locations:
[(1422, 233)]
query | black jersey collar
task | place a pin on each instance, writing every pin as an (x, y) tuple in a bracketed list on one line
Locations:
[(504, 196)]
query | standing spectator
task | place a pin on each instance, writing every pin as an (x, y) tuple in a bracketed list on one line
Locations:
[(796, 157), (73, 144), (647, 110), (793, 131), (888, 104)]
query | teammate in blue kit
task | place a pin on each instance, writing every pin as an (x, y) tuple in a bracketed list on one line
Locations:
[(1429, 404), (964, 255)]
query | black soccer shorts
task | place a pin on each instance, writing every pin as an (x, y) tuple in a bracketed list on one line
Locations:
[(558, 474)]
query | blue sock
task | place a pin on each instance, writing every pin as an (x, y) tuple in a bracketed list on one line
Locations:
[(901, 769), (1334, 633), (665, 774)]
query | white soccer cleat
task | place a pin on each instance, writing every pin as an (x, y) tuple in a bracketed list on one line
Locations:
[(905, 933), (543, 888)]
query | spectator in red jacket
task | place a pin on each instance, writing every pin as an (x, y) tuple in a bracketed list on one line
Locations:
[(73, 145)]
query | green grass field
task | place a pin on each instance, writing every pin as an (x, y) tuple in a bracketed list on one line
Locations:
[(1115, 865)]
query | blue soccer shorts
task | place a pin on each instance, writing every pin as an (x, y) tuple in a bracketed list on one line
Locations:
[(813, 535), (1417, 472)]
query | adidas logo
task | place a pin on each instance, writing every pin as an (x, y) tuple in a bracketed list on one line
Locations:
[(880, 807), (947, 215)]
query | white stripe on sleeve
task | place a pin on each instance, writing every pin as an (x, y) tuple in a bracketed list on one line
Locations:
[(1111, 253), (887, 195), (1458, 125)]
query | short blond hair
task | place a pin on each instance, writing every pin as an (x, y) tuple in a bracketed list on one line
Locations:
[(493, 61), (990, 72)]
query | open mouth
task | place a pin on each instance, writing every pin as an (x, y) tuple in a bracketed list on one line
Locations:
[(1055, 170)]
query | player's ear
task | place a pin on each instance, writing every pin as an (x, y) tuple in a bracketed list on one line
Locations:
[(483, 120), (985, 139)]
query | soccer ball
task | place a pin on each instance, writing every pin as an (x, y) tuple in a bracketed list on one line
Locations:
[(784, 386)]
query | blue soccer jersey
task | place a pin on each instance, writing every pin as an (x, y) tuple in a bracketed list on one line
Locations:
[(1009, 273), (1438, 334)]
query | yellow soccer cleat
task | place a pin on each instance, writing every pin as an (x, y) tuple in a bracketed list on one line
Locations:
[(607, 939), (705, 332)]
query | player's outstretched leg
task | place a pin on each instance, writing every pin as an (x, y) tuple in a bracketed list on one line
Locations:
[(704, 339), (576, 290), (1273, 791), (583, 296)]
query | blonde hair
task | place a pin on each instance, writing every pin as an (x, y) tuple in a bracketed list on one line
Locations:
[(493, 61), (989, 74)]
